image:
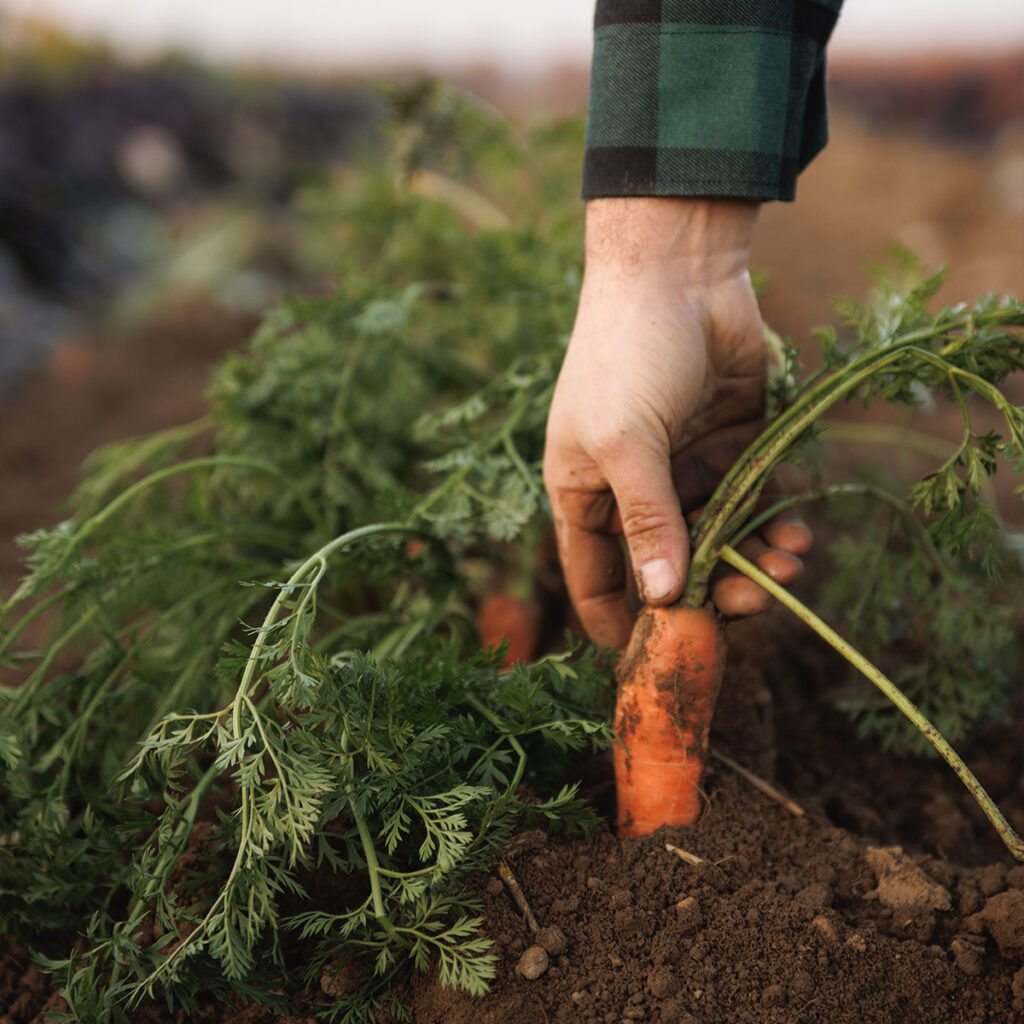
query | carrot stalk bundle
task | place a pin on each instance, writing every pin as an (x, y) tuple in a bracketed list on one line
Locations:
[(668, 684)]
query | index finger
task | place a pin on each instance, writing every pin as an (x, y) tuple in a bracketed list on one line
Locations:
[(594, 564)]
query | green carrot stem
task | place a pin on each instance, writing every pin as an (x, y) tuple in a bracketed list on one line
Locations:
[(514, 743), (1013, 842), (28, 688), (904, 439), (366, 841), (63, 747), (771, 445), (12, 634), (317, 561), (760, 458)]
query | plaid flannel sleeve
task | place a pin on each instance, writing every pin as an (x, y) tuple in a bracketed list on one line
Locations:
[(719, 98)]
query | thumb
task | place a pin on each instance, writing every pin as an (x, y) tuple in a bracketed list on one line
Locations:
[(653, 524)]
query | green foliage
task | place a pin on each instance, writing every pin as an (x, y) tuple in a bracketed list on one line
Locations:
[(197, 744), (940, 628), (493, 443), (402, 777), (235, 757), (918, 582)]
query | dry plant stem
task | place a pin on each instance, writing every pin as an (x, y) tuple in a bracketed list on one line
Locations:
[(1013, 841), (690, 858), (758, 783), (518, 895)]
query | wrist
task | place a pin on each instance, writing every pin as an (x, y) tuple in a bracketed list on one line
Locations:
[(696, 241)]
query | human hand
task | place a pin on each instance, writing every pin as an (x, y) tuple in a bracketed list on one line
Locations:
[(661, 388)]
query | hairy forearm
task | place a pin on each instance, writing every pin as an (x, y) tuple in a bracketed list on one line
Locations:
[(698, 241)]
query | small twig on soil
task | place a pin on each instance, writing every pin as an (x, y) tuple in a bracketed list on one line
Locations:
[(690, 858), (758, 783), (517, 895)]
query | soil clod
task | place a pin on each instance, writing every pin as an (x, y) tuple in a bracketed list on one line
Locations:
[(533, 963)]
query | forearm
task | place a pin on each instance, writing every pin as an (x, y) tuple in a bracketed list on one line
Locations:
[(696, 241), (698, 113)]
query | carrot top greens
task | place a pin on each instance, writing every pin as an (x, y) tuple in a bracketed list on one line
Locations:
[(246, 663), (926, 570)]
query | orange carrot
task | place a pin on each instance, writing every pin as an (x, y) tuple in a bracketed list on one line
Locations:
[(505, 617), (668, 683)]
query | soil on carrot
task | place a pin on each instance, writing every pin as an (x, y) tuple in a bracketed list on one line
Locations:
[(890, 899), (668, 683)]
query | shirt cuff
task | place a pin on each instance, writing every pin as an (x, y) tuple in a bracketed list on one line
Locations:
[(712, 98)]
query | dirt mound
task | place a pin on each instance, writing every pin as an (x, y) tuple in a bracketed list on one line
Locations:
[(786, 919), (783, 922)]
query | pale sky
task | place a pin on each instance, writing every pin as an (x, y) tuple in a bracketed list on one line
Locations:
[(519, 35)]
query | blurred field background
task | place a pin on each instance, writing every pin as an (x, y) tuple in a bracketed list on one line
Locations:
[(156, 195)]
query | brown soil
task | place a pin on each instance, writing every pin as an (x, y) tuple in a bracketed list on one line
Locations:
[(101, 389), (789, 919)]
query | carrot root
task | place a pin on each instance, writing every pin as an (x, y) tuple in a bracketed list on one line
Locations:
[(504, 617), (668, 684)]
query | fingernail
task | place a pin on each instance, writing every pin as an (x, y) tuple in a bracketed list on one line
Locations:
[(657, 578)]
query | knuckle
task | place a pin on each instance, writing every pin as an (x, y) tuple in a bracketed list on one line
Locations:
[(611, 444), (642, 519), (736, 595), (781, 566)]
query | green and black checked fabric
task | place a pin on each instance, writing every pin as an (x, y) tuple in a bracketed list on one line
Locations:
[(719, 98)]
